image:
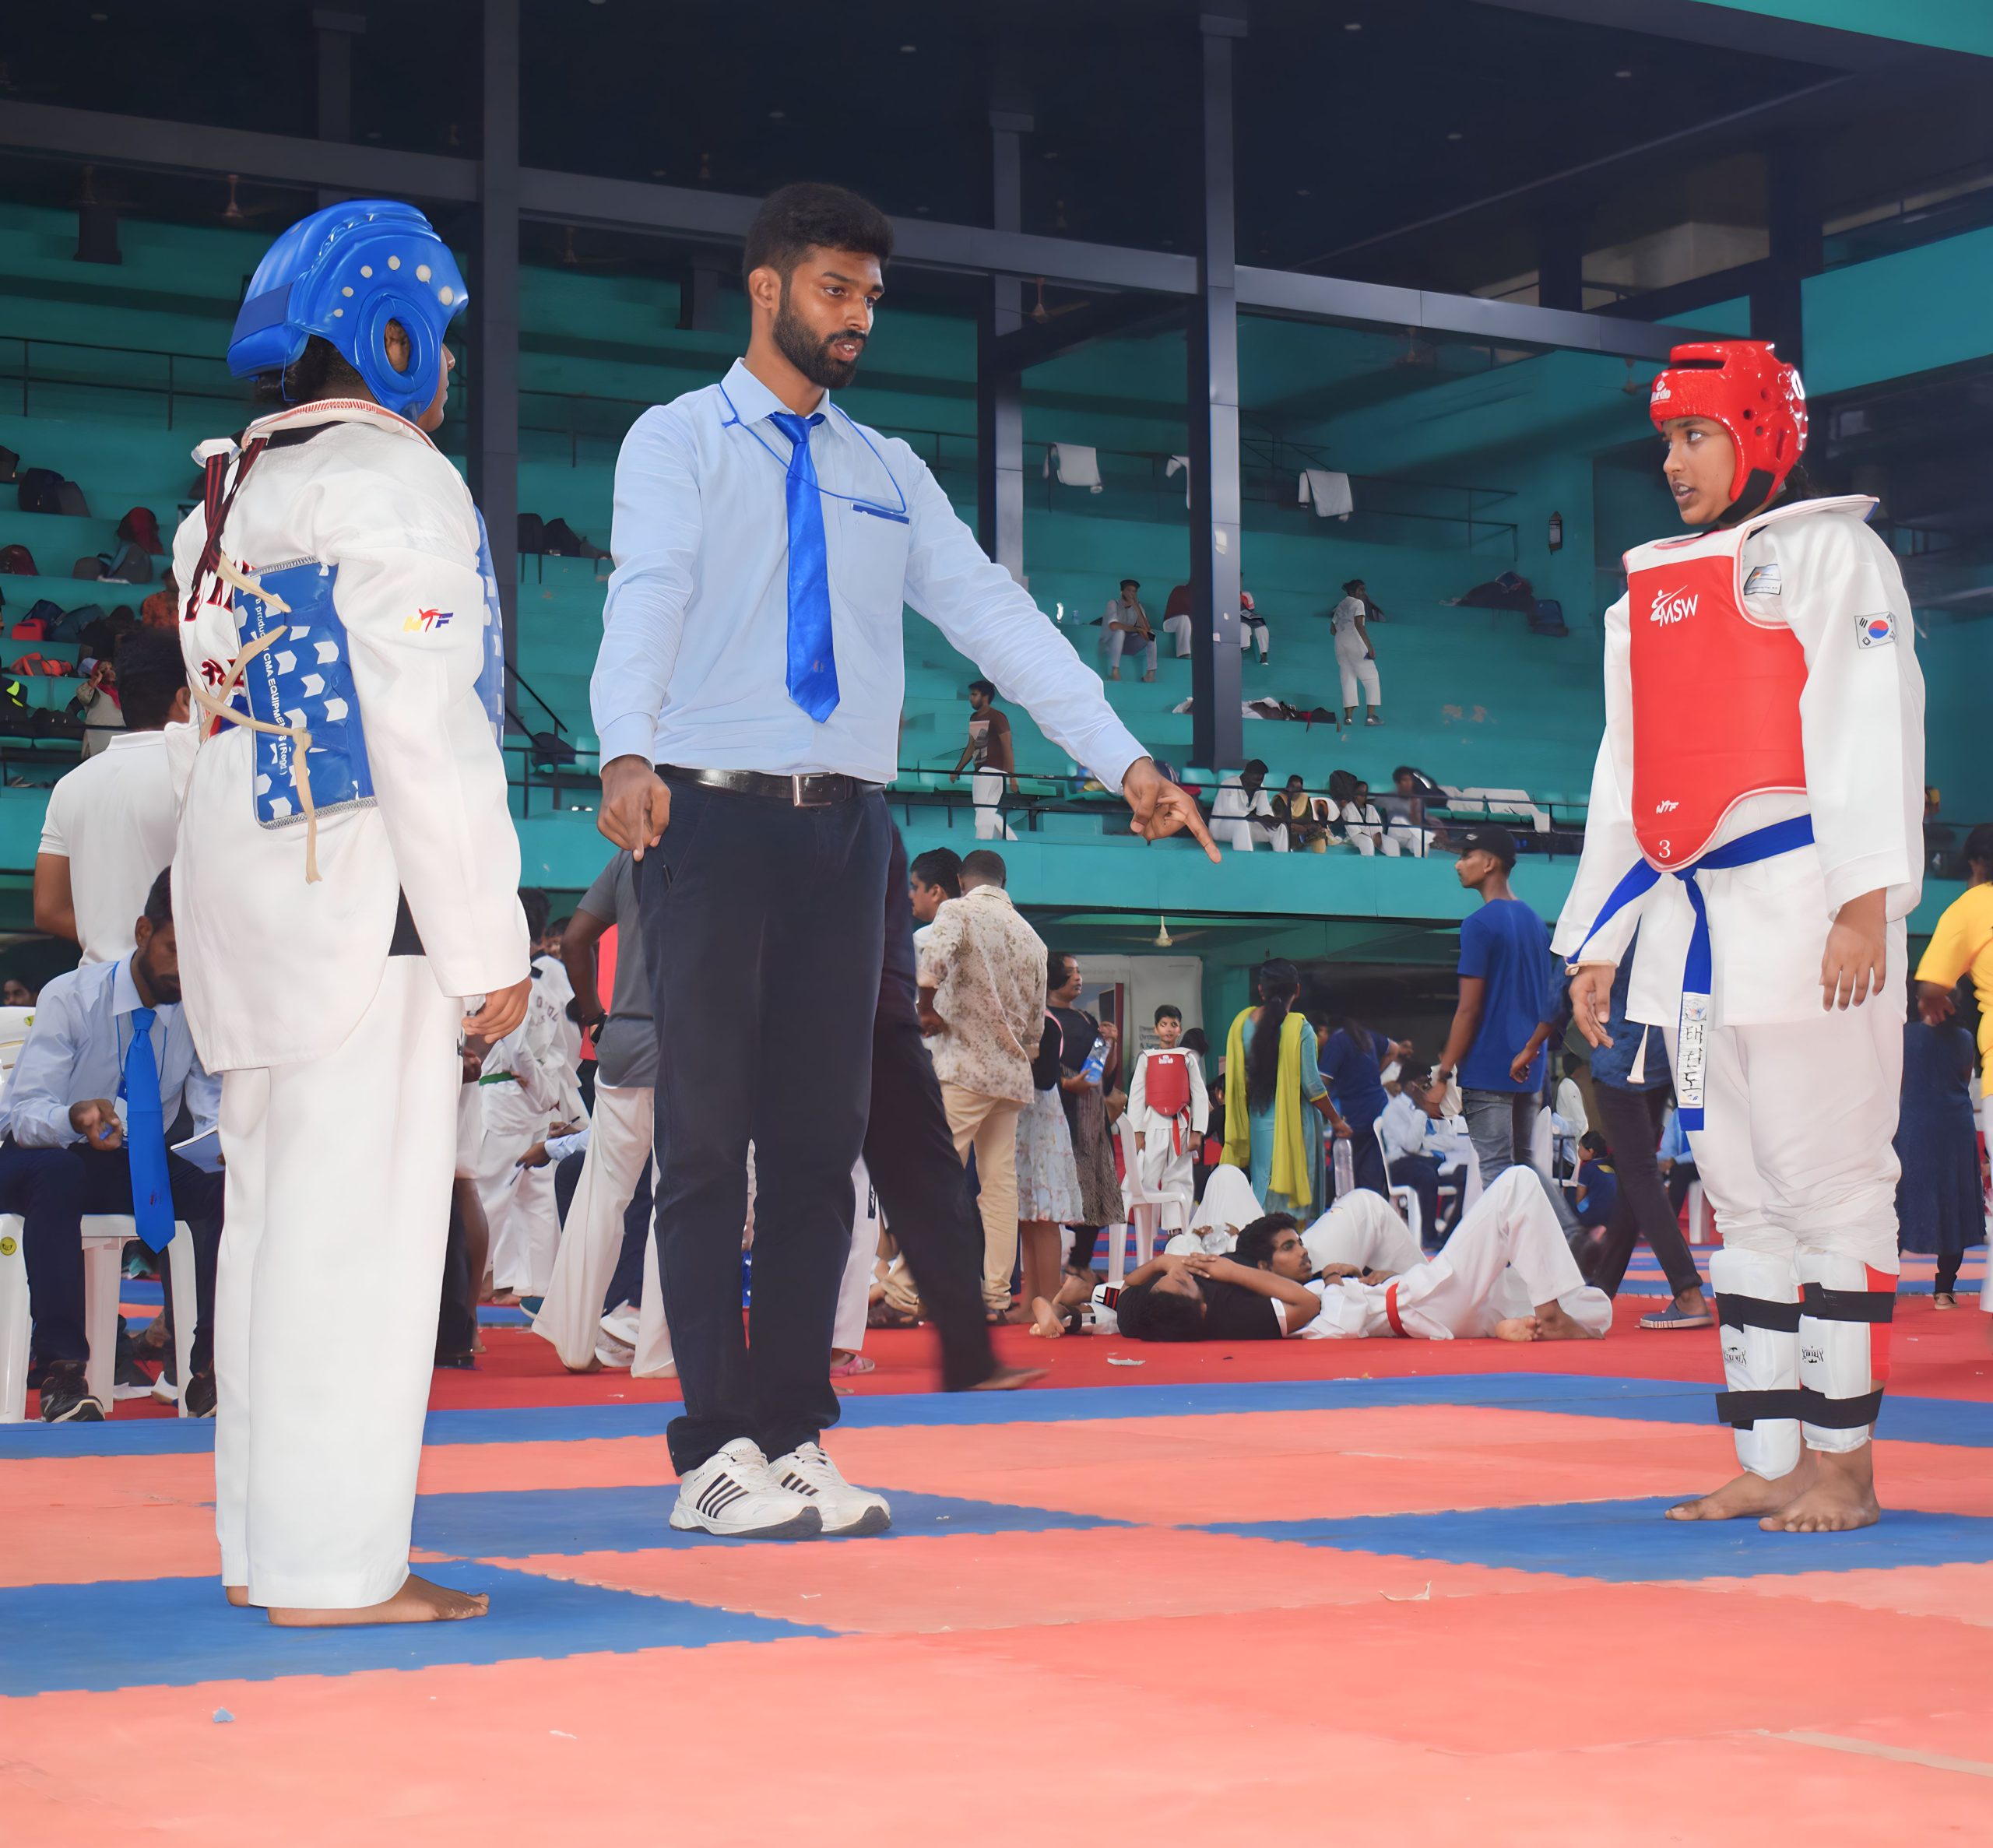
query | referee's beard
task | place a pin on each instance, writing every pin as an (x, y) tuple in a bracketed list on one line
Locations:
[(811, 355)]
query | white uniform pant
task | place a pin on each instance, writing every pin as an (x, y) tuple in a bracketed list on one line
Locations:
[(653, 1352), (592, 1240), (1113, 642), (1251, 629), (1165, 1170), (339, 1211), (855, 1289), (1410, 839), (1354, 663), (985, 790), (1798, 1163), (1179, 627), (1242, 833), (1507, 1255), (1365, 840), (519, 1202)]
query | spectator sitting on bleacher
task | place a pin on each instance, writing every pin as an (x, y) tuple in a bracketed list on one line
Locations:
[(1403, 811), (1176, 619), (1252, 625), (111, 821), (100, 1080), (1243, 812), (1125, 625), (1363, 821), (160, 608), (1306, 832)]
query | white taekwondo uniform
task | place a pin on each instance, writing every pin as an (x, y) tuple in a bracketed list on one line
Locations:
[(336, 1047), (521, 1094), (1169, 1143), (1764, 707), (1508, 1254)]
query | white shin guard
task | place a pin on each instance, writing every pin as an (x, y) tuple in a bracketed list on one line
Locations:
[(1845, 1313), (1758, 1311)]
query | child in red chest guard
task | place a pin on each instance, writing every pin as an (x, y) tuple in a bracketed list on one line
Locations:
[(1754, 814)]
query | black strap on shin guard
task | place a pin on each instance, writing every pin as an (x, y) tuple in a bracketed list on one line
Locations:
[(1733, 1311), (1824, 1304), (1839, 1414), (1743, 1409)]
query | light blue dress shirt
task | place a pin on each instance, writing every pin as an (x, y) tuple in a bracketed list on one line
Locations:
[(694, 649), (75, 1052)]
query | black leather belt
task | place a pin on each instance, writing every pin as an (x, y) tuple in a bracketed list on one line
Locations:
[(815, 792)]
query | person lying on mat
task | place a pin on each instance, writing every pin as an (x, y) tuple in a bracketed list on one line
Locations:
[(1506, 1272)]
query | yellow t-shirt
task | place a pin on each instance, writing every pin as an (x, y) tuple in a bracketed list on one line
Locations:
[(1963, 940)]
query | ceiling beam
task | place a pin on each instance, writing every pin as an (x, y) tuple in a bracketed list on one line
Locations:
[(1288, 292), (642, 207), (1830, 104)]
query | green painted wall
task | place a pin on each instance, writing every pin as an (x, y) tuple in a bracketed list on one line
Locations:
[(1911, 311), (1954, 25)]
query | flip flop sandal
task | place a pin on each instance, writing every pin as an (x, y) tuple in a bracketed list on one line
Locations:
[(859, 1363), (1944, 1299), (1675, 1316)]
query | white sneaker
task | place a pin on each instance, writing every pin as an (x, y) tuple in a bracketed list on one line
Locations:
[(847, 1511), (733, 1493)]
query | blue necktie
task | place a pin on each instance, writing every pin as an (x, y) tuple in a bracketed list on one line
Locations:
[(813, 666), (145, 1136)]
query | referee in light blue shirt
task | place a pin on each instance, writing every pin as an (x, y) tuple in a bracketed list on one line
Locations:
[(746, 698)]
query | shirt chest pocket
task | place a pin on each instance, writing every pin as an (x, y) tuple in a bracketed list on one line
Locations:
[(867, 553)]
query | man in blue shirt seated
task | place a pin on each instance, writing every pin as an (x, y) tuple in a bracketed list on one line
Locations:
[(108, 1067)]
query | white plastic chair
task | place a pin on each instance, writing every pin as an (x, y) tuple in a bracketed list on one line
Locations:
[(1702, 1221), (105, 1236), (1150, 1213)]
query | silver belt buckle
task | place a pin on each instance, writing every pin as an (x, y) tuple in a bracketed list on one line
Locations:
[(798, 795)]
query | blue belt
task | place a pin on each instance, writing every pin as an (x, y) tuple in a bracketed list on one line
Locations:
[(1761, 843)]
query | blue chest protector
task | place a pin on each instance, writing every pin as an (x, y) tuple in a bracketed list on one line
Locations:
[(491, 674), (304, 680)]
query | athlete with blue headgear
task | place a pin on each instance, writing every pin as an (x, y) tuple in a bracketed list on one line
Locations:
[(345, 875)]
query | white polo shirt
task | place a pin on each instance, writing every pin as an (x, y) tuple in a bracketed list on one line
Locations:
[(113, 818)]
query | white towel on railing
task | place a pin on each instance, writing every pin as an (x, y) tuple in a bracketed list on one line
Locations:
[(1078, 466), (1329, 489), (1182, 462)]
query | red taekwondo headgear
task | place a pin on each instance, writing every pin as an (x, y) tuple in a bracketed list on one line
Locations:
[(1744, 386)]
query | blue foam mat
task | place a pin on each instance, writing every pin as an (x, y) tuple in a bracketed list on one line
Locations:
[(522, 1524), (1965, 1422), (176, 1632), (1628, 1541)]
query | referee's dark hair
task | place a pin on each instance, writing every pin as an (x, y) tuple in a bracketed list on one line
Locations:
[(811, 215)]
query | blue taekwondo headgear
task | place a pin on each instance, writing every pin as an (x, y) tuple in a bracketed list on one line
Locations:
[(344, 274)]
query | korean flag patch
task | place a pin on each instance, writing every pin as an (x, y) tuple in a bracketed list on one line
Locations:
[(1875, 631)]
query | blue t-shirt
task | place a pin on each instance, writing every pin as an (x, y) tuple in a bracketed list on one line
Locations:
[(1602, 1187), (1354, 1078), (1508, 946)]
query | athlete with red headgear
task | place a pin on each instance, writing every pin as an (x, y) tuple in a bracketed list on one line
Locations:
[(1754, 814)]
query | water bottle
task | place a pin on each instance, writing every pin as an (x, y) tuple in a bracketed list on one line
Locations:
[(1096, 1061), (1346, 1164)]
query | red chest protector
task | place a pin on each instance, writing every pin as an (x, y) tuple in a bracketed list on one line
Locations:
[(1716, 696), (1166, 1083)]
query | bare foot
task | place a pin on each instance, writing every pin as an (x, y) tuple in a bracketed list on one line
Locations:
[(1841, 1496), (1045, 1318), (238, 1595), (1552, 1324), (1077, 1290), (418, 1601), (1943, 1299), (1007, 1379), (1516, 1328), (1745, 1498)]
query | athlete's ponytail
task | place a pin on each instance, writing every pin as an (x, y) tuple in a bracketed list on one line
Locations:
[(1278, 983)]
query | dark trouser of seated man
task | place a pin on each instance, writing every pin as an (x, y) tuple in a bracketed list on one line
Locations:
[(107, 1064), (53, 1189)]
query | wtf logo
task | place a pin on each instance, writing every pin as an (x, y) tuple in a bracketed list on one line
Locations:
[(1673, 606), (427, 621)]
